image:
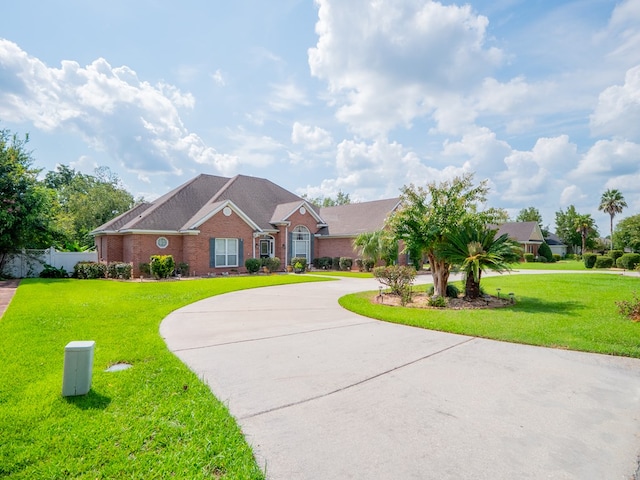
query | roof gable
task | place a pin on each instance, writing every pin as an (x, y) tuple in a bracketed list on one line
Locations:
[(523, 232)]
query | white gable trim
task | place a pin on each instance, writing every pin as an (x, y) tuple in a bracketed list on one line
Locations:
[(309, 208), (219, 207)]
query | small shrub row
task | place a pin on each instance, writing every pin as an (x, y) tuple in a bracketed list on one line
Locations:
[(615, 254), (589, 259), (529, 257), (89, 270), (119, 270), (603, 261), (628, 261)]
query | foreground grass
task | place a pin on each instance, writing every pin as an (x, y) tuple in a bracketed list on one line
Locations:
[(576, 312), (155, 420)]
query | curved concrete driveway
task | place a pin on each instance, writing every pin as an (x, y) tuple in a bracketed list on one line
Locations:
[(321, 393)]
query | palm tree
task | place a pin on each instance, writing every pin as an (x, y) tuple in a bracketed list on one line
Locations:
[(612, 202), (584, 224), (476, 251), (378, 245)]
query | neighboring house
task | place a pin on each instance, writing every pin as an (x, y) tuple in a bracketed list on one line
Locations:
[(556, 244), (215, 223), (527, 234)]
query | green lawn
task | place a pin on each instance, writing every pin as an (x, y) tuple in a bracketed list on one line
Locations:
[(561, 265), (576, 312), (155, 420)]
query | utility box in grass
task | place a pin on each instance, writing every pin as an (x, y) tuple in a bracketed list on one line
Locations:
[(78, 368)]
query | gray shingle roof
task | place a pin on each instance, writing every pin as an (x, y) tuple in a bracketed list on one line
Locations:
[(356, 218), (521, 231)]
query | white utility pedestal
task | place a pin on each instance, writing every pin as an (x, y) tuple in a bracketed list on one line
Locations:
[(78, 368)]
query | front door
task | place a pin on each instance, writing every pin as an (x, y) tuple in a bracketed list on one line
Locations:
[(266, 248)]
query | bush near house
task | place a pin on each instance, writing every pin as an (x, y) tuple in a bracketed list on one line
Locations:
[(589, 259), (299, 260), (162, 266), (272, 264), (49, 271), (89, 270), (252, 265), (335, 263), (628, 261), (604, 261), (545, 252), (398, 278), (529, 257), (557, 257), (119, 270), (345, 263)]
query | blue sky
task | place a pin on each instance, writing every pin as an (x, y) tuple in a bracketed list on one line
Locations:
[(542, 98)]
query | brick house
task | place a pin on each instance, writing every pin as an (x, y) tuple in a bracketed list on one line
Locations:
[(527, 234), (215, 223)]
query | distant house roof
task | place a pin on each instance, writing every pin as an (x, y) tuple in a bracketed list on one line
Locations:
[(356, 218), (522, 232), (553, 239)]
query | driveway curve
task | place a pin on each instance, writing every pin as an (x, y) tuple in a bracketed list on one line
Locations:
[(322, 393)]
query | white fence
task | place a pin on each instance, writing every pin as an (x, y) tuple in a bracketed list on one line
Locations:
[(30, 263)]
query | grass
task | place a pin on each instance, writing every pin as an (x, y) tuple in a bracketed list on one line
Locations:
[(336, 273), (576, 312), (561, 265), (155, 420)]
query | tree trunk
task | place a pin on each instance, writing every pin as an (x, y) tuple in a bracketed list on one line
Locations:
[(611, 227), (440, 273), (471, 288)]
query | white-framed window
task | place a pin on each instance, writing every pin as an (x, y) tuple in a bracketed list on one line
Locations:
[(226, 252), (162, 242), (300, 242)]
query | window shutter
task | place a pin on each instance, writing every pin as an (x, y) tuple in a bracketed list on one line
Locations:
[(240, 252), (212, 252), (290, 247), (311, 240)]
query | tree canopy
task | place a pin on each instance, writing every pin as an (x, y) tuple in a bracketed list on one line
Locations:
[(428, 216), (340, 199), (532, 214), (26, 204), (627, 233), (568, 230)]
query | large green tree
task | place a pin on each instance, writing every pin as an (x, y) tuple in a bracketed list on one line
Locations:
[(340, 199), (428, 216), (26, 204), (567, 230), (476, 250), (532, 214), (627, 233), (86, 202), (612, 202)]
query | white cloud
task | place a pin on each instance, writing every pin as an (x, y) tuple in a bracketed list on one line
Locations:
[(111, 108), (313, 138), (387, 63), (608, 158), (287, 96), (218, 78), (618, 109)]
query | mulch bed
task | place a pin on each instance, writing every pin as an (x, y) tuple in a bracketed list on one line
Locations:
[(421, 300)]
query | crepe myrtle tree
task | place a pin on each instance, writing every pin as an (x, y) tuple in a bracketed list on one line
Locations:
[(427, 217)]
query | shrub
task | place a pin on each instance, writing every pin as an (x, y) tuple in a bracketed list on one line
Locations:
[(89, 270), (252, 265), (589, 259), (628, 261), (541, 259), (452, 291), (335, 263), (322, 263), (182, 269), (557, 257), (545, 252), (438, 302), (49, 271), (145, 268), (615, 254), (272, 264), (398, 278), (346, 263), (630, 308), (529, 257), (604, 261), (571, 256), (299, 260), (119, 270), (162, 265)]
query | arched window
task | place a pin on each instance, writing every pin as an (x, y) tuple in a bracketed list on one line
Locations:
[(300, 242)]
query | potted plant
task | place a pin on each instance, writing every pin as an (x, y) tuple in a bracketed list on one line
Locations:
[(289, 268), (298, 267)]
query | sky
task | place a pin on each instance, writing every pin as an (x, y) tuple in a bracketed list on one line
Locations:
[(540, 98)]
